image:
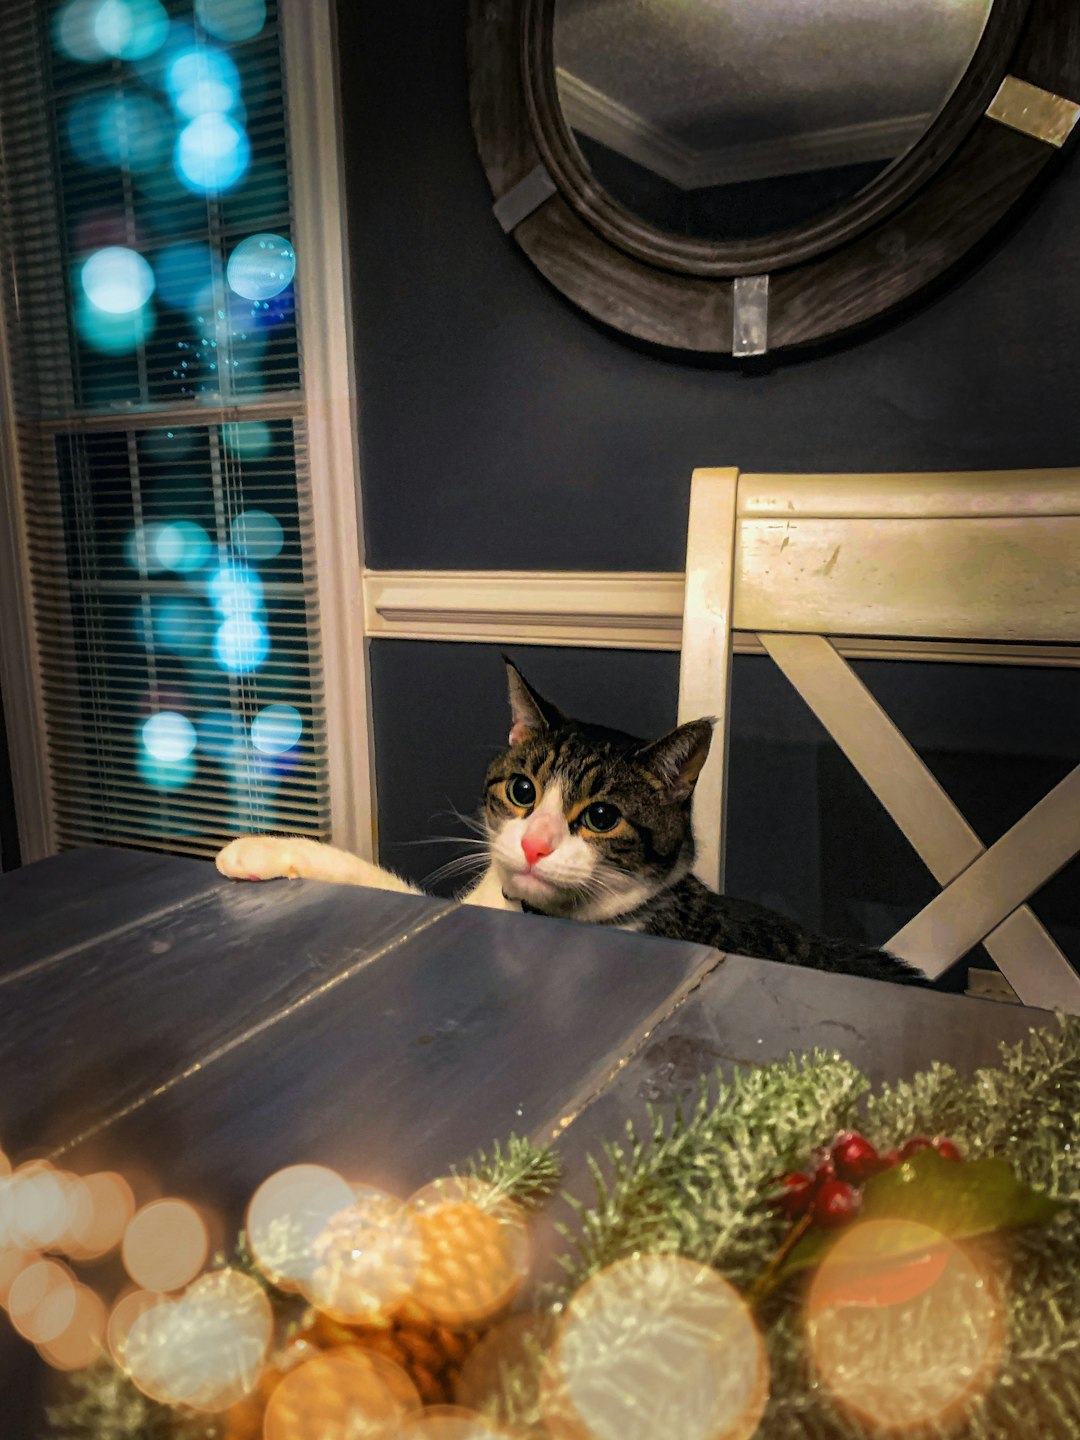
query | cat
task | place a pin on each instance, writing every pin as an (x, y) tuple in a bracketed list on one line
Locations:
[(587, 823)]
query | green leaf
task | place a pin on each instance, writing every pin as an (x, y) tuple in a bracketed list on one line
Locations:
[(958, 1199)]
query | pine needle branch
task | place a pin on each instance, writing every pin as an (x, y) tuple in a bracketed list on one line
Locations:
[(527, 1173)]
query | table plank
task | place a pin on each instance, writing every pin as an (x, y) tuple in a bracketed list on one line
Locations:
[(124, 1014), (483, 1024), (57, 906)]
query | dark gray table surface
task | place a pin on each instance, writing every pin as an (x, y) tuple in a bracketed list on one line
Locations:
[(157, 1018)]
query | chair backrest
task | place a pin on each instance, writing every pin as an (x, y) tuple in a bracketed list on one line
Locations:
[(812, 564)]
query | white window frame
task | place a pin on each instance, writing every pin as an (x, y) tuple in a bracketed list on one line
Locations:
[(312, 94)]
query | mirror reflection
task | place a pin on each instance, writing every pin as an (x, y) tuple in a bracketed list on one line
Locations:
[(731, 119)]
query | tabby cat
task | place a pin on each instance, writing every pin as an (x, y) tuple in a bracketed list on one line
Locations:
[(590, 824)]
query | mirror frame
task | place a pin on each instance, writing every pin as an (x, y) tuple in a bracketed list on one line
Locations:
[(913, 222)]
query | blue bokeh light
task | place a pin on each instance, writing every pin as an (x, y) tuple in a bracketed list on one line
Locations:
[(176, 626), (74, 33), (257, 535), (84, 125), (202, 80), (261, 267), (113, 334), (117, 280), (212, 153), (131, 29), (168, 736), (247, 439), (231, 20), (182, 547), (235, 590), (276, 729), (133, 132), (241, 644), (185, 271), (140, 549), (221, 734), (166, 774)]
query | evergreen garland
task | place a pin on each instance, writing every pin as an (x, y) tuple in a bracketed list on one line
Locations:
[(698, 1184)]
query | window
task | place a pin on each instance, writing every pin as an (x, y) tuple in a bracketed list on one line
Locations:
[(157, 377)]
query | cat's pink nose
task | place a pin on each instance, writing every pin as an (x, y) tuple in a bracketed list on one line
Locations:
[(535, 848)]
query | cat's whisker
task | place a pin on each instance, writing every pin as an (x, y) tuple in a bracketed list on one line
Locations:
[(460, 865), (471, 822)]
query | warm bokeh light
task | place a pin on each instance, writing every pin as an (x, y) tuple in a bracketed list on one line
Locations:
[(207, 1350), (13, 1261), (231, 20), (656, 1346), (367, 1258), (276, 729), (290, 1210), (257, 535), (903, 1325), (450, 1422), (125, 1311), (35, 1207), (510, 1345), (475, 1250), (81, 1342), (212, 153), (41, 1301), (117, 280), (261, 267), (165, 1245), (102, 1206), (345, 1395)]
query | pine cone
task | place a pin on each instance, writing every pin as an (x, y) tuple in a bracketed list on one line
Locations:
[(430, 1354)]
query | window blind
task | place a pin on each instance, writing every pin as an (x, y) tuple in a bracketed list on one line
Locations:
[(151, 313)]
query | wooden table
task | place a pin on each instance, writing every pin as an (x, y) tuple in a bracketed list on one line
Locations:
[(157, 1018)]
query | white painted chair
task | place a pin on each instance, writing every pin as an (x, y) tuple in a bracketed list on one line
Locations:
[(816, 564)]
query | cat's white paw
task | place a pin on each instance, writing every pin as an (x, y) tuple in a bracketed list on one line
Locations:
[(258, 857)]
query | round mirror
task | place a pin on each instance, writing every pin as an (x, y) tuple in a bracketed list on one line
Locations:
[(725, 120)]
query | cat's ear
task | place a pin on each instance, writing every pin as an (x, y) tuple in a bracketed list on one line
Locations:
[(531, 712), (676, 758)]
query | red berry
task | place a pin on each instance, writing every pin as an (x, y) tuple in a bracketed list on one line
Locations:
[(824, 1169), (796, 1194), (947, 1149), (890, 1158), (854, 1157), (913, 1146), (836, 1203)]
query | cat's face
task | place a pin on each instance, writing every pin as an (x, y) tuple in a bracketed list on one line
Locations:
[(585, 822)]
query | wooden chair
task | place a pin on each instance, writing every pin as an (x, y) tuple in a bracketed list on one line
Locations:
[(816, 564)]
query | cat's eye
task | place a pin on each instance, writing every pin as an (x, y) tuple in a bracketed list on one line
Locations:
[(600, 818), (521, 791)]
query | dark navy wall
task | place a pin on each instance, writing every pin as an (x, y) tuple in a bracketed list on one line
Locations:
[(501, 428)]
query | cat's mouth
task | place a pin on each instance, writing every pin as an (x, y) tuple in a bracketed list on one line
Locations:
[(527, 885)]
